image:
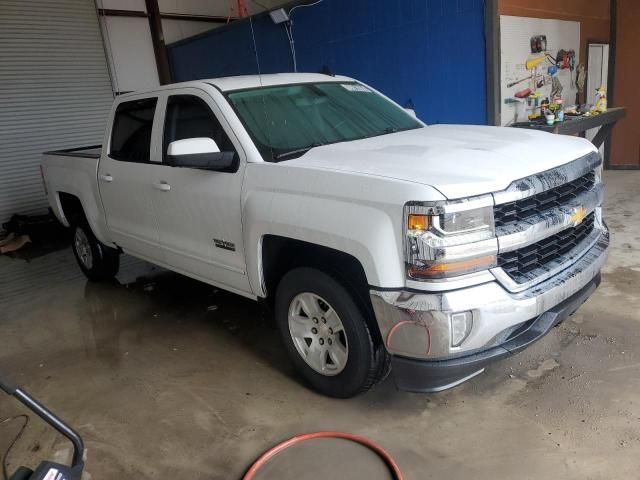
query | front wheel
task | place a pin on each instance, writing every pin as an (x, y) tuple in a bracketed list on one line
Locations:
[(97, 261), (326, 335)]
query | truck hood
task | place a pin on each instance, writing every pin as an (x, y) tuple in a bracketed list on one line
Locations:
[(458, 160)]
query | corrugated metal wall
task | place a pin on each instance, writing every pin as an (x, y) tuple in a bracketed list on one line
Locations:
[(55, 91)]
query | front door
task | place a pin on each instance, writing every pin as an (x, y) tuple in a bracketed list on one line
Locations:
[(199, 214)]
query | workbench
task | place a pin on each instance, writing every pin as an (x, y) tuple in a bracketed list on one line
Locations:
[(579, 124)]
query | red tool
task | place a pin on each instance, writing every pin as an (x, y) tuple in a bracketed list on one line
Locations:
[(523, 93)]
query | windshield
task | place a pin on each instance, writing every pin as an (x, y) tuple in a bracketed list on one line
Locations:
[(286, 121)]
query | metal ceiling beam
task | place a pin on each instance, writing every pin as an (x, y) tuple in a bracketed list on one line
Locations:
[(110, 12), (157, 38)]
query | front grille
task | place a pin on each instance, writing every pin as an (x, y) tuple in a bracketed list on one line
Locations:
[(514, 212), (524, 260)]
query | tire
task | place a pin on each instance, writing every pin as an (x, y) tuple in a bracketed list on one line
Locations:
[(97, 261), (347, 362)]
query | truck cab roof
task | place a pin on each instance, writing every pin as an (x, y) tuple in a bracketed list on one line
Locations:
[(254, 81), (241, 82)]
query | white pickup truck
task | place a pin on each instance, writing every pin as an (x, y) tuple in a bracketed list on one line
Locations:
[(380, 242)]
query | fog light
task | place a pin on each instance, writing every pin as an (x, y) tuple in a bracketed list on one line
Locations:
[(461, 325)]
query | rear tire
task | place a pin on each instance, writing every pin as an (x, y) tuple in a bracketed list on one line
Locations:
[(97, 261), (326, 335)]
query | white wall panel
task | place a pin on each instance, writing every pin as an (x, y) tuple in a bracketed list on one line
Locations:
[(55, 91), (515, 47), (128, 40), (138, 5), (197, 7), (175, 30)]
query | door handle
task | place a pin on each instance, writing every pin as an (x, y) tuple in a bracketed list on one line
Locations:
[(106, 178), (162, 186)]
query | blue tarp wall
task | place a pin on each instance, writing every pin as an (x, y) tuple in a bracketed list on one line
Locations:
[(429, 52)]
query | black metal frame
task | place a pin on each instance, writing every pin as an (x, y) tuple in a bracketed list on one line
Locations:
[(613, 34), (50, 418), (55, 422), (112, 12), (605, 121), (157, 38)]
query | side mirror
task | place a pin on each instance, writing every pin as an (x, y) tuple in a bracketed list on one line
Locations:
[(202, 153)]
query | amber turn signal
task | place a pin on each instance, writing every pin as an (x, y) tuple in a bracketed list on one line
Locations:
[(440, 270), (418, 222)]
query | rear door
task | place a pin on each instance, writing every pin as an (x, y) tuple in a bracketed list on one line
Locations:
[(199, 215), (125, 177)]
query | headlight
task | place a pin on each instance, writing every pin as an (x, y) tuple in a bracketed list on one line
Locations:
[(466, 221), (449, 239)]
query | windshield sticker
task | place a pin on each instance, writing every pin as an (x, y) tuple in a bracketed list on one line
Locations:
[(355, 87)]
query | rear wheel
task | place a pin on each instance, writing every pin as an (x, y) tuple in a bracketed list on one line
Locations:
[(326, 335), (97, 261)]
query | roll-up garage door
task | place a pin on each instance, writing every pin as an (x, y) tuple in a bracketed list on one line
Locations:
[(55, 91)]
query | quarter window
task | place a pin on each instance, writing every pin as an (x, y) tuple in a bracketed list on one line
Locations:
[(190, 117), (131, 134)]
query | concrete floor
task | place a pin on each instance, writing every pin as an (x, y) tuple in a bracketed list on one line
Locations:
[(166, 379)]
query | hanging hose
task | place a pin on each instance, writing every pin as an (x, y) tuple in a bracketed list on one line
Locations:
[(269, 454)]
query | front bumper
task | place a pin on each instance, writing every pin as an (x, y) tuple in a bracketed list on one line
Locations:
[(415, 325), (432, 376)]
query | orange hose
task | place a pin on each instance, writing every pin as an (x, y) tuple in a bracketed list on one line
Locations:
[(269, 454), (409, 322)]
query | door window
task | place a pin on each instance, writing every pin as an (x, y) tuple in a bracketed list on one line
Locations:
[(131, 134), (190, 117)]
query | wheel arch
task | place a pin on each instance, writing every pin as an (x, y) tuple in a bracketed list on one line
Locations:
[(70, 208), (280, 255)]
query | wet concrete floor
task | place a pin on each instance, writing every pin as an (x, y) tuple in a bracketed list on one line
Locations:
[(165, 378)]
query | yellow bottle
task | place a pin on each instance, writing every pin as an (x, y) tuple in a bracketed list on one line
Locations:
[(601, 99)]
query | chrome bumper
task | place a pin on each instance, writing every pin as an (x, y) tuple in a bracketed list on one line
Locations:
[(416, 324)]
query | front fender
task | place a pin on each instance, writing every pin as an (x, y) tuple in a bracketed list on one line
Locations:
[(357, 215)]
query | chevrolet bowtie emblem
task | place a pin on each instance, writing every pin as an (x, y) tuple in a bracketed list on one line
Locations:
[(578, 215)]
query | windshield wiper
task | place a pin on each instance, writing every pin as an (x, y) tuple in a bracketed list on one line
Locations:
[(303, 150), (297, 150)]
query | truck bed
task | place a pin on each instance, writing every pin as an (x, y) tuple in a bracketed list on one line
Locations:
[(74, 171)]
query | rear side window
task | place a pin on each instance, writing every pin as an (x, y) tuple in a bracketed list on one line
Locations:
[(131, 134), (190, 117)]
